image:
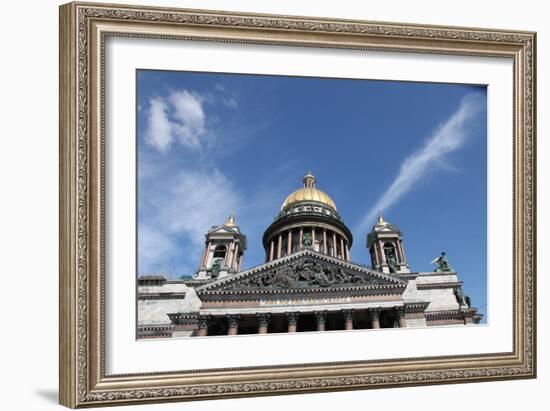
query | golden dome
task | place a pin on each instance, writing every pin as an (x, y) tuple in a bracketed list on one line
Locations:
[(309, 193)]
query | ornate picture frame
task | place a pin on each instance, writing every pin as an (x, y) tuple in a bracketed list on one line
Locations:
[(84, 29)]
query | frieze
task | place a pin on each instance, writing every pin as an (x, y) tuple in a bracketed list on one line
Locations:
[(306, 273), (300, 293), (303, 301)]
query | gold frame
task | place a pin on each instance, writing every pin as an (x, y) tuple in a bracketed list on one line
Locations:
[(83, 30)]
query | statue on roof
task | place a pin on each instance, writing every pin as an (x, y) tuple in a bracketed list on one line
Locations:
[(461, 297), (392, 263), (215, 271), (442, 263)]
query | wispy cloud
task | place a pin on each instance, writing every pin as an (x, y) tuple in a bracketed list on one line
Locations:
[(448, 137), (230, 102), (179, 212)]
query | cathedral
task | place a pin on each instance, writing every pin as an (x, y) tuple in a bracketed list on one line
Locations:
[(308, 281)]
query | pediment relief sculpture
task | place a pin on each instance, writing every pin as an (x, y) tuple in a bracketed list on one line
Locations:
[(305, 274)]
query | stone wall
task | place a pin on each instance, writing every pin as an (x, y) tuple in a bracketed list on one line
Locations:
[(437, 288)]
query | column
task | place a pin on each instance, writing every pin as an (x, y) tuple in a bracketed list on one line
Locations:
[(400, 244), (334, 247), (348, 258), (205, 255), (342, 249), (271, 249), (398, 320), (289, 243), (240, 262), (348, 318), (300, 244), (402, 316), (313, 238), (235, 256), (228, 254), (202, 329), (374, 314), (320, 319), (325, 250), (382, 255), (292, 321), (279, 246), (233, 324), (263, 322)]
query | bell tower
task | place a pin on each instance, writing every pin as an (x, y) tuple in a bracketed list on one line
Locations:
[(385, 244), (223, 251)]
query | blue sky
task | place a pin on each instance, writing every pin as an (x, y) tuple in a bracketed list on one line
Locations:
[(209, 144)]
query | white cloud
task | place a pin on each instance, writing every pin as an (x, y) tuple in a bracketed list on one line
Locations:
[(159, 132), (178, 117), (448, 137), (181, 214), (189, 124), (181, 117)]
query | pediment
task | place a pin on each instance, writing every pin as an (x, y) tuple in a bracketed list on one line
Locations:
[(387, 228), (221, 230), (306, 271)]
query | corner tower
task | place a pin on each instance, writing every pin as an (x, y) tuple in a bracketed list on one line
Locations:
[(308, 220), (223, 251), (385, 244)]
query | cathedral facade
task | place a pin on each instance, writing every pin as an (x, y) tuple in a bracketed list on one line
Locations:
[(308, 281)]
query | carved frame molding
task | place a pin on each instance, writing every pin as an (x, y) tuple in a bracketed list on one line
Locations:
[(83, 30)]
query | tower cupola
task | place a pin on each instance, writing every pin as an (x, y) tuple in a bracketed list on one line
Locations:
[(385, 244), (224, 248)]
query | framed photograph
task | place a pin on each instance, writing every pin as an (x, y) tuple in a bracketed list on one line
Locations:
[(259, 204)]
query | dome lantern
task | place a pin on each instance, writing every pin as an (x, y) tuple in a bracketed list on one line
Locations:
[(309, 180)]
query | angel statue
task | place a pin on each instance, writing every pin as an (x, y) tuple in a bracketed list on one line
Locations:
[(442, 263)]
